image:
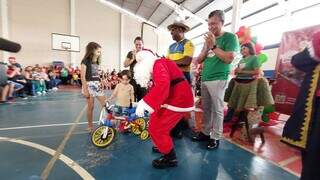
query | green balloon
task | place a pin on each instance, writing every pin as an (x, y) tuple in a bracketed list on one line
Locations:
[(254, 40), (262, 58), (265, 118), (268, 109)]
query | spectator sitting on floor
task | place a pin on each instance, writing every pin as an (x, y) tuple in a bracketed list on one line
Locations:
[(64, 75), (54, 80), (31, 89), (4, 86), (15, 79), (39, 82), (45, 77)]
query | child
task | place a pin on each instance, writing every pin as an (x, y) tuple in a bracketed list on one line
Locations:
[(45, 77), (90, 79), (39, 81), (123, 92)]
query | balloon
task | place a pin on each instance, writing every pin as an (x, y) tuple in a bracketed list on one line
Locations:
[(241, 39), (262, 58), (268, 109), (265, 118), (241, 33), (258, 47), (245, 41), (247, 33), (242, 29), (254, 40)]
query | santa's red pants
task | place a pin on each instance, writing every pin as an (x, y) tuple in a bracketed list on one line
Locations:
[(160, 125)]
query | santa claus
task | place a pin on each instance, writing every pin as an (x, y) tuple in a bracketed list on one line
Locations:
[(167, 101)]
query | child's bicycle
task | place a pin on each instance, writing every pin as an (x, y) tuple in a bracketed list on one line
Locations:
[(108, 123)]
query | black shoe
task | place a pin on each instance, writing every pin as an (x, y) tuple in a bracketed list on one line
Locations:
[(201, 137), (177, 135), (165, 161), (213, 144), (155, 149)]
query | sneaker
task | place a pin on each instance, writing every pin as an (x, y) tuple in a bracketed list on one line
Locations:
[(44, 92), (55, 89), (166, 161), (201, 137), (213, 144), (39, 93)]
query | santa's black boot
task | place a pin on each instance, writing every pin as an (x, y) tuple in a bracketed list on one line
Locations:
[(166, 161)]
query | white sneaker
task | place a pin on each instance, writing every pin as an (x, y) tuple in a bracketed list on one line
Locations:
[(39, 93), (44, 92), (55, 89)]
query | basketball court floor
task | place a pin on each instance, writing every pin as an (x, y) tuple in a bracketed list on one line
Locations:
[(46, 136)]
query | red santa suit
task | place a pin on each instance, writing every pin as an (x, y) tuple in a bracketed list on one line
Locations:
[(167, 101)]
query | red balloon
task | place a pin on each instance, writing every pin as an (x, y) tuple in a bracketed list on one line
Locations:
[(241, 31), (258, 47), (242, 28)]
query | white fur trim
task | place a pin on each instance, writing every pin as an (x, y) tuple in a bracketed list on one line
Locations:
[(143, 68), (178, 109)]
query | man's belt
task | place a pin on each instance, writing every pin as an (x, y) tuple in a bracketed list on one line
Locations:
[(176, 81)]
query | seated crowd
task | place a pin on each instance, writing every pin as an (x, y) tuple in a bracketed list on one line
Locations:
[(38, 80)]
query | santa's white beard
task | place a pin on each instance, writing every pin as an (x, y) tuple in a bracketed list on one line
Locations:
[(143, 72)]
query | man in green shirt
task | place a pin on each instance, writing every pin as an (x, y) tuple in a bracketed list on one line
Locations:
[(218, 52)]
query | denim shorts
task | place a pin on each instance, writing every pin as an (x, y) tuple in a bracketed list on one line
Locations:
[(16, 85)]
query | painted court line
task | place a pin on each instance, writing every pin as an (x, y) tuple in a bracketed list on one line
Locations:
[(65, 159), (44, 125), (46, 172)]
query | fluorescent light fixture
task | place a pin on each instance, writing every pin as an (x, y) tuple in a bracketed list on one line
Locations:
[(122, 10)]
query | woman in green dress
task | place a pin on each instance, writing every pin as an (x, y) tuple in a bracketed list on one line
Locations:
[(249, 91)]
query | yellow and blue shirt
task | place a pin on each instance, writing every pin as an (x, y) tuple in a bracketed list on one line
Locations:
[(179, 50)]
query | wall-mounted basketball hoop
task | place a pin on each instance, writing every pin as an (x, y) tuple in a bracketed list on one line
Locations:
[(64, 42)]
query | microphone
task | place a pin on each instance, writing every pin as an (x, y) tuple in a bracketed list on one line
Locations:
[(9, 46)]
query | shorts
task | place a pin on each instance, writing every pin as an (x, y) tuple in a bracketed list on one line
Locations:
[(95, 88), (119, 110), (16, 85)]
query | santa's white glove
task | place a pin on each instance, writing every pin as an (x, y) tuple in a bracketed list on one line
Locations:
[(142, 107)]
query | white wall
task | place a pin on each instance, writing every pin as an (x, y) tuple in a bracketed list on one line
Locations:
[(150, 38), (130, 30), (272, 59), (164, 41), (98, 23), (31, 24)]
